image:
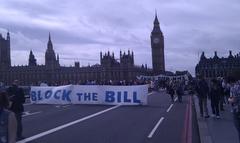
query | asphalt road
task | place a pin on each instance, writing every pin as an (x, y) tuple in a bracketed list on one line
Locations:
[(159, 122)]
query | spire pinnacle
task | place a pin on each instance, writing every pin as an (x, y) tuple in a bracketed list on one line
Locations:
[(50, 46), (230, 54), (202, 56), (49, 37), (215, 55), (8, 35), (156, 18)]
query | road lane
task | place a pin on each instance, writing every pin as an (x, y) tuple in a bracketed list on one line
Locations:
[(128, 124), (67, 125), (54, 117), (171, 129)]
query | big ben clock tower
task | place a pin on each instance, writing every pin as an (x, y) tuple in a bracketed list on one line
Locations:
[(157, 44)]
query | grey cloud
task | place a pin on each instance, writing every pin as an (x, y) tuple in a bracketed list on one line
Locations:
[(189, 27)]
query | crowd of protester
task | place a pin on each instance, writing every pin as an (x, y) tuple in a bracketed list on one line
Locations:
[(176, 87), (221, 92)]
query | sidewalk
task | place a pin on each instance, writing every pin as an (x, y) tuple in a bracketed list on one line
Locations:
[(213, 130)]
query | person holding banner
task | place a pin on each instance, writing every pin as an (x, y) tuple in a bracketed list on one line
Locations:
[(17, 98)]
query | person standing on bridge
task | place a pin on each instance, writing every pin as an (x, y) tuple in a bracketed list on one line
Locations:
[(17, 98), (215, 96), (8, 123), (202, 90)]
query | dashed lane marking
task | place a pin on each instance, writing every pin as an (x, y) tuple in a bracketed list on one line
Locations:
[(170, 107), (175, 99), (66, 125), (62, 106), (29, 114), (150, 93), (155, 128)]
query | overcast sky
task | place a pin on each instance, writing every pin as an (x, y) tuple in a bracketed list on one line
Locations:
[(80, 29)]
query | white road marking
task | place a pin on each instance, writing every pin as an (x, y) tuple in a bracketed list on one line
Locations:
[(61, 106), (175, 99), (66, 125), (64, 106), (150, 93), (155, 128), (28, 114), (170, 107)]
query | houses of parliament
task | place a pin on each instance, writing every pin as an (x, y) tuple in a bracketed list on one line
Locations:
[(216, 66), (54, 74)]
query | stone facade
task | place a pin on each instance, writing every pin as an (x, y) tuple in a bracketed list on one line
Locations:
[(219, 67), (54, 74)]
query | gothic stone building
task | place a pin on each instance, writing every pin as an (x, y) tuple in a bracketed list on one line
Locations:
[(53, 73), (219, 67)]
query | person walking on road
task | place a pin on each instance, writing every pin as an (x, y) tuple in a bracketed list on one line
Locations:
[(170, 91), (8, 123), (17, 98), (202, 90), (180, 91), (215, 97)]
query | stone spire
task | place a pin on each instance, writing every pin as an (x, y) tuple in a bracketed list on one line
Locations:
[(32, 61)]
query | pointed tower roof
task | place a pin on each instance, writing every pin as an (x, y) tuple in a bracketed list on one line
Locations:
[(156, 18), (230, 54), (8, 35), (50, 57), (202, 56), (215, 55), (32, 60), (156, 26), (50, 46), (49, 37)]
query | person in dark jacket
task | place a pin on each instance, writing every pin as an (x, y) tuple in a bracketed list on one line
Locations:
[(202, 90), (221, 92), (180, 91), (17, 98), (8, 123), (171, 91), (215, 97)]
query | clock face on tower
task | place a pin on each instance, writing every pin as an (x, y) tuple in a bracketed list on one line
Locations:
[(156, 40)]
